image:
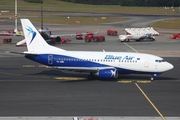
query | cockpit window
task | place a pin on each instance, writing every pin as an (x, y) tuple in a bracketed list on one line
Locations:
[(159, 61)]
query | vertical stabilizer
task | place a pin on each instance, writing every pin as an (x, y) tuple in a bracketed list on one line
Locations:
[(34, 41)]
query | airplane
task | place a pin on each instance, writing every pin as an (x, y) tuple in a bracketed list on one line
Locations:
[(104, 65)]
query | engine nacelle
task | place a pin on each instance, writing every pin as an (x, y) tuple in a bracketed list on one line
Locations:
[(107, 73)]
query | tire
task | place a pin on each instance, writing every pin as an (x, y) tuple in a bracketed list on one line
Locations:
[(152, 78)]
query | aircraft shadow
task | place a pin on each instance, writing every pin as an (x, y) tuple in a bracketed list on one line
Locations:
[(70, 74)]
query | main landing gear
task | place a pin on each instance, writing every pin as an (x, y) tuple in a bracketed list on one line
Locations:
[(91, 76), (152, 78)]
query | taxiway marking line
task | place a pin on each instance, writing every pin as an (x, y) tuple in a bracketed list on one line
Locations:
[(32, 66), (143, 81), (150, 101), (28, 66), (125, 81), (14, 74), (130, 47), (28, 80), (43, 66), (69, 78), (5, 73)]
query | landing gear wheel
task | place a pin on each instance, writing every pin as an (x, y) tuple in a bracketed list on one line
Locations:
[(152, 78), (90, 77)]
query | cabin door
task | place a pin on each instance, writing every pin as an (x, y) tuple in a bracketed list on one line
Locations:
[(146, 62)]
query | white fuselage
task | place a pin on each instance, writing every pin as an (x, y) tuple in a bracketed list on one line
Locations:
[(103, 64), (136, 62)]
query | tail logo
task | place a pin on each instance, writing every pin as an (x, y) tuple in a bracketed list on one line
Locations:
[(31, 31)]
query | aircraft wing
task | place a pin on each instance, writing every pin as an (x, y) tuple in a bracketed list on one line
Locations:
[(81, 69), (62, 35), (83, 33)]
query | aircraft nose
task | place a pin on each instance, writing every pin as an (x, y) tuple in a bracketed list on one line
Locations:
[(169, 66)]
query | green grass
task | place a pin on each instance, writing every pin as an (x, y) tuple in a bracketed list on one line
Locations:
[(79, 20), (75, 20), (55, 5), (170, 24)]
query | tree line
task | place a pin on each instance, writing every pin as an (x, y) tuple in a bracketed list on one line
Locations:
[(34, 1), (148, 3)]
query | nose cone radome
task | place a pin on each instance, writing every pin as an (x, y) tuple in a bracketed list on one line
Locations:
[(169, 66)]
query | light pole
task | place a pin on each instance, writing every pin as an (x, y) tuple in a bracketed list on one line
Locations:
[(15, 17)]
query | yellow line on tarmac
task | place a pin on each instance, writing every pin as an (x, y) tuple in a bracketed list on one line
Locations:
[(69, 78), (14, 74), (28, 80), (5, 73), (143, 81), (150, 102), (125, 81), (45, 66), (28, 65)]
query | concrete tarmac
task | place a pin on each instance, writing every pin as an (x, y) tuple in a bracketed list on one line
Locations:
[(30, 89)]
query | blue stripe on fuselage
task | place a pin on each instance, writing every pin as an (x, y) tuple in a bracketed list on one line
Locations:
[(64, 61), (67, 61)]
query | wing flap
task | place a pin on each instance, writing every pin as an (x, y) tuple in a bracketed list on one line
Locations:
[(80, 69)]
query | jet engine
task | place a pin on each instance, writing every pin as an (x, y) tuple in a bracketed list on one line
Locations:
[(107, 73)]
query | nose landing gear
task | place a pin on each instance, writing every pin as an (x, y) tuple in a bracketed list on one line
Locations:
[(154, 75)]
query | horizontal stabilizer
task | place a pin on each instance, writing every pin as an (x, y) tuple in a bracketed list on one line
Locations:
[(30, 53)]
